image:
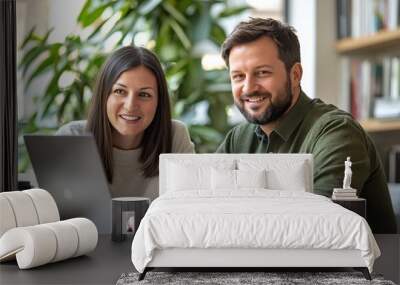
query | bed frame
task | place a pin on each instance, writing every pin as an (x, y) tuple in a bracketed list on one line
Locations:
[(242, 259)]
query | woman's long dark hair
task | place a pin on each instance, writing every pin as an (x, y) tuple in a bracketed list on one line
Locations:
[(157, 137)]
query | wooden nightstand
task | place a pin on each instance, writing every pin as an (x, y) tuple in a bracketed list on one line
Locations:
[(357, 205)]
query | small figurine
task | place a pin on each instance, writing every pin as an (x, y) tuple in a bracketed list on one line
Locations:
[(347, 192), (347, 174)]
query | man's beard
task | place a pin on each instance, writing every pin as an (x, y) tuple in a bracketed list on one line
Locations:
[(271, 113)]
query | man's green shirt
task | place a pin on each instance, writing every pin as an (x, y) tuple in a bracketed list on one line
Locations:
[(331, 135)]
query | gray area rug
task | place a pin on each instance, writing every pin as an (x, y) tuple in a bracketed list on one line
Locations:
[(228, 278)]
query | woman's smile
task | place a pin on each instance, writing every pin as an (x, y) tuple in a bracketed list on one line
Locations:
[(130, 118)]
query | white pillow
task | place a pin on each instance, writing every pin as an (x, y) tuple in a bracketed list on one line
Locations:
[(287, 174), (224, 179), (251, 178), (183, 178), (193, 174)]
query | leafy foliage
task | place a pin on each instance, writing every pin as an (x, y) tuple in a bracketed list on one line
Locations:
[(175, 31)]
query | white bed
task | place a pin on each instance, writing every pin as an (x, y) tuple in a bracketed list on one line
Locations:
[(247, 210)]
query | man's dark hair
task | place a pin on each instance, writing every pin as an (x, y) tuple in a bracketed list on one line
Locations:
[(283, 35)]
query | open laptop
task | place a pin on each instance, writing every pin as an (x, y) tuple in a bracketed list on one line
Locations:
[(70, 168)]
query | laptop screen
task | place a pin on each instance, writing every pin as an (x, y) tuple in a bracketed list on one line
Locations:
[(70, 168)]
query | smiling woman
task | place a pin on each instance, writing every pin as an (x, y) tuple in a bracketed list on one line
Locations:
[(130, 119), (131, 106)]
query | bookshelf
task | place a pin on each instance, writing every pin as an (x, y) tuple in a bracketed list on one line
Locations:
[(368, 41), (379, 126), (382, 42)]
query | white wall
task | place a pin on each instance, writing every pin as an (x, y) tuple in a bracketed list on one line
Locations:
[(315, 24), (43, 14), (302, 18), (29, 14), (62, 16), (327, 80)]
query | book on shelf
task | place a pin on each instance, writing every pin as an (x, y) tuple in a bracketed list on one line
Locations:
[(343, 27), (356, 18), (374, 88)]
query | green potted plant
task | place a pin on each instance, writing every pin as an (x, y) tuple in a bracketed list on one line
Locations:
[(177, 31)]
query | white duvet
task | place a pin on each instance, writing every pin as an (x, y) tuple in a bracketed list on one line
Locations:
[(250, 219)]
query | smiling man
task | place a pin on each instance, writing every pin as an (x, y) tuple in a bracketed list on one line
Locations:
[(263, 57)]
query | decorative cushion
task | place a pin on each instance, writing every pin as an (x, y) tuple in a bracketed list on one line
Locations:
[(193, 175), (67, 237), (26, 208), (31, 246), (251, 178), (87, 233), (278, 172), (226, 179), (34, 244), (45, 206), (183, 177), (7, 218), (223, 179), (40, 244), (23, 209)]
